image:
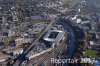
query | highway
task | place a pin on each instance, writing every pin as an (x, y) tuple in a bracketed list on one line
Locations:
[(71, 38), (19, 60)]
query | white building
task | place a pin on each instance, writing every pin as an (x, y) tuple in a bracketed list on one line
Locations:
[(18, 51), (11, 33), (78, 20)]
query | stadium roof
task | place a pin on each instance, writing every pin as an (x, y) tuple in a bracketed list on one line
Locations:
[(54, 36)]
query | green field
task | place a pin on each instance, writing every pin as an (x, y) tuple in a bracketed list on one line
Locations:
[(92, 53)]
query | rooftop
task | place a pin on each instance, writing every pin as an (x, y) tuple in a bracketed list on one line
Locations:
[(54, 36), (4, 56)]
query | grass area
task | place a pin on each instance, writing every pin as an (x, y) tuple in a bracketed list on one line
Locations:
[(92, 53)]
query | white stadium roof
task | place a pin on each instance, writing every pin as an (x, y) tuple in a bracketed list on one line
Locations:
[(59, 34)]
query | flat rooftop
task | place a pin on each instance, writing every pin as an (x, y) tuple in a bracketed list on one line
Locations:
[(4, 56)]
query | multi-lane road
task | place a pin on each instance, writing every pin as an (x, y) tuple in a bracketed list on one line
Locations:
[(71, 40)]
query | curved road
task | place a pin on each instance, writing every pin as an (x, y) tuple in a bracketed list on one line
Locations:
[(71, 38)]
